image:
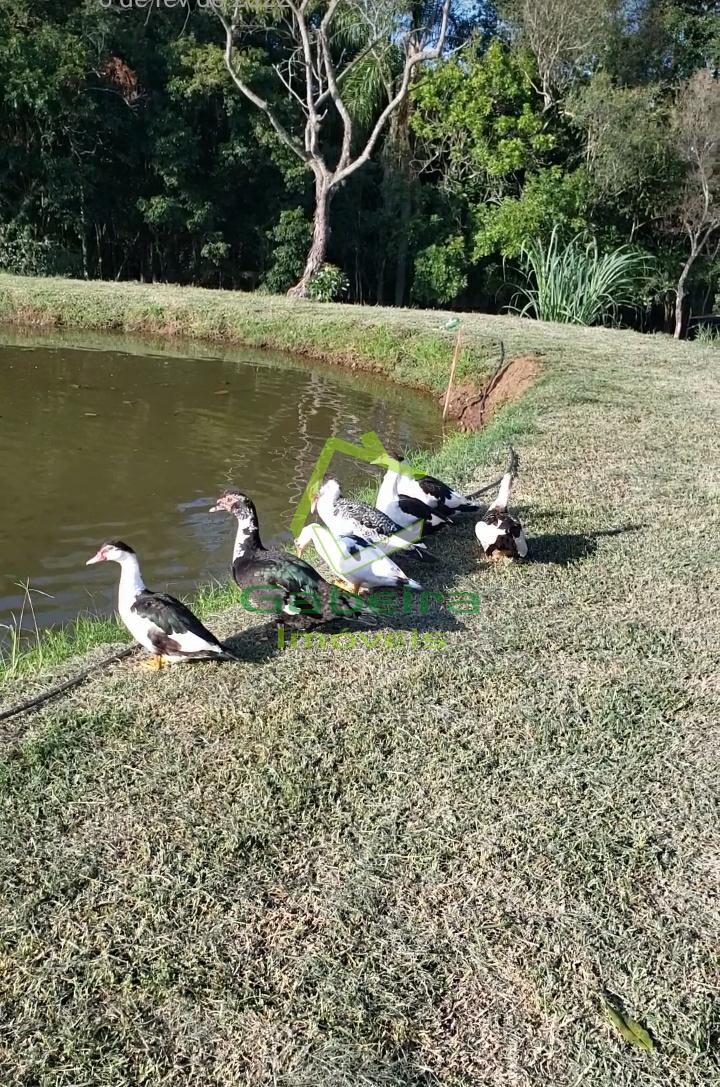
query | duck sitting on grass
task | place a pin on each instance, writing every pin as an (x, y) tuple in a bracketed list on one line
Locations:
[(443, 499), (357, 564), (297, 590), (160, 623), (500, 534), (406, 509)]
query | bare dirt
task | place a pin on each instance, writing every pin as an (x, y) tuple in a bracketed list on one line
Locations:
[(472, 406)]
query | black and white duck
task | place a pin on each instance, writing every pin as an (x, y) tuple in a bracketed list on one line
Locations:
[(350, 517), (298, 591), (439, 496), (500, 534), (406, 509), (359, 564), (160, 623)]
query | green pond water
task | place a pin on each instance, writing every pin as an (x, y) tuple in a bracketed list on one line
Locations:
[(113, 438)]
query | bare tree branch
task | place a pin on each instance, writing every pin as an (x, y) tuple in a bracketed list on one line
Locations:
[(261, 103), (312, 75)]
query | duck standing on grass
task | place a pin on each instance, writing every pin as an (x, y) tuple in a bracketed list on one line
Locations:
[(160, 623), (406, 509), (440, 497), (299, 591), (354, 560), (500, 534), (350, 517)]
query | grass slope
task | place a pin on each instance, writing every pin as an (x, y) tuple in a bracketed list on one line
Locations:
[(386, 866)]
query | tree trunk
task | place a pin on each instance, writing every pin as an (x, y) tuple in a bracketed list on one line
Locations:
[(380, 282), (83, 235), (321, 234), (403, 241), (680, 297)]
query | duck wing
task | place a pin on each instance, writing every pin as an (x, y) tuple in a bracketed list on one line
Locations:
[(414, 507), (173, 628), (435, 488), (367, 517), (303, 591)]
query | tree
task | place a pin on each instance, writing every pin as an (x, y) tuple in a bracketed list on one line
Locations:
[(697, 213), (628, 150), (562, 35), (321, 44)]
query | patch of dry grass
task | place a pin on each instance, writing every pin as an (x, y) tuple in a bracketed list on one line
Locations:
[(385, 867)]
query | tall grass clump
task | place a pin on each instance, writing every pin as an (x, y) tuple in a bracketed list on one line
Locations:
[(576, 283), (707, 336)]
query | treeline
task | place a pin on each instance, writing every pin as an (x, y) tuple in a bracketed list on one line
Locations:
[(129, 150)]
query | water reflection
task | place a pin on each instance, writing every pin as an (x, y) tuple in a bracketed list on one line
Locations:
[(135, 442)]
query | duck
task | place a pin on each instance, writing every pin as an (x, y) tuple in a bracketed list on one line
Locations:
[(500, 534), (350, 517), (439, 496), (300, 593), (407, 509), (357, 563), (159, 622)]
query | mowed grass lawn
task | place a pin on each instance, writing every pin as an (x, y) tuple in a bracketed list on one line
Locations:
[(402, 866)]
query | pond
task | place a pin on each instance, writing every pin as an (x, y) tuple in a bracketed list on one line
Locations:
[(104, 437)]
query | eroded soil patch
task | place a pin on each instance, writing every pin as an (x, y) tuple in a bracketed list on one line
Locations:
[(471, 406)]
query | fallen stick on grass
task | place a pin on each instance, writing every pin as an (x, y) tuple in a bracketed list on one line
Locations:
[(46, 696)]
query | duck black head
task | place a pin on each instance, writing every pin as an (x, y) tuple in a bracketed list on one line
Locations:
[(111, 551), (237, 503)]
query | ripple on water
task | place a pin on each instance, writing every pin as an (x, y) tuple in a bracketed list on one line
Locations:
[(126, 443)]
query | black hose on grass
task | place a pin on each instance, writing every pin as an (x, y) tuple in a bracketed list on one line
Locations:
[(39, 700)]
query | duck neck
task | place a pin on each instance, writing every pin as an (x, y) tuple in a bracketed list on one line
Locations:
[(131, 582), (388, 488), (503, 498), (247, 537), (326, 508)]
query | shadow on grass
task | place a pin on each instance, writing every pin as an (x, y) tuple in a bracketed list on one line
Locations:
[(423, 612), (564, 548)]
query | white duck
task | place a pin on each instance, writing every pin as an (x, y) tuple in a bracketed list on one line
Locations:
[(354, 560), (406, 509), (500, 534), (440, 496), (163, 625), (349, 517)]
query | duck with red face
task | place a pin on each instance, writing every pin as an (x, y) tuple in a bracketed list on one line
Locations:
[(160, 623), (293, 589)]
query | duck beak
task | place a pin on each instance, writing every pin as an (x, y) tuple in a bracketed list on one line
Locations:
[(217, 508), (99, 557)]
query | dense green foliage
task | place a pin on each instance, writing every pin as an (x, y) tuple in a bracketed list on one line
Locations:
[(126, 152)]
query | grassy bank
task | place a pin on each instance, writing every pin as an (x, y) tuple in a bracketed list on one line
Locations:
[(383, 865), (410, 346)]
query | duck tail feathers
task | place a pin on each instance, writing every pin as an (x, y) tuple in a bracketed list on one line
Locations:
[(407, 583), (229, 654), (503, 498)]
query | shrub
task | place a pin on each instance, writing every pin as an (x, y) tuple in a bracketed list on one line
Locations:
[(291, 241), (576, 284), (22, 253), (707, 335), (440, 273), (329, 284)]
